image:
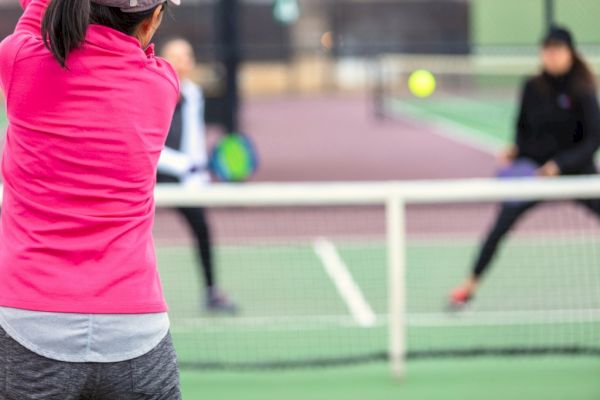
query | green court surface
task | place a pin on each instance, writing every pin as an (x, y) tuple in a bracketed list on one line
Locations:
[(292, 312), (490, 120), (490, 379)]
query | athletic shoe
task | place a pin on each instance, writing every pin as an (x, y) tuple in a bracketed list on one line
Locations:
[(218, 302), (459, 299)]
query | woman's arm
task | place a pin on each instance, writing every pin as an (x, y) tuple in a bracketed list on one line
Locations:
[(174, 163), (576, 157), (522, 129), (508, 155), (29, 24), (31, 20)]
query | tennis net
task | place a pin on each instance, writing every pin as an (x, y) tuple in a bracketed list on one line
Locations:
[(336, 274)]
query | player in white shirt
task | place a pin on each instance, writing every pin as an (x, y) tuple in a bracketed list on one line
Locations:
[(185, 160)]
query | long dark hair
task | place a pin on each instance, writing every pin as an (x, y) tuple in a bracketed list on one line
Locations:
[(583, 76), (579, 79), (66, 21)]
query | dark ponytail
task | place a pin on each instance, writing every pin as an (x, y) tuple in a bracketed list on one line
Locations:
[(584, 77), (64, 26), (66, 21)]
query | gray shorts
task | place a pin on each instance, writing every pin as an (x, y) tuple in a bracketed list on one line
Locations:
[(24, 375)]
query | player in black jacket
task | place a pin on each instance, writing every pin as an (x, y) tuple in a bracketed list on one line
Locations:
[(558, 128)]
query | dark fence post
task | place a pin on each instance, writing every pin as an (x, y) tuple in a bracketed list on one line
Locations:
[(550, 12), (228, 17)]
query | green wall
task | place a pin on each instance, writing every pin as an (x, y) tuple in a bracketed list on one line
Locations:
[(499, 22), (583, 17), (522, 22)]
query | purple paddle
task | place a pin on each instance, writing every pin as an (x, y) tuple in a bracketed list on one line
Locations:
[(521, 168)]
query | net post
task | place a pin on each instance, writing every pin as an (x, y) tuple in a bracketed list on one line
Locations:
[(396, 249), (378, 89)]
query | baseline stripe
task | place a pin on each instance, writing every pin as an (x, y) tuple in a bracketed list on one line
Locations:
[(341, 277), (415, 320)]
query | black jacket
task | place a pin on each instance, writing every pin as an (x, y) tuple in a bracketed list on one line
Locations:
[(559, 120)]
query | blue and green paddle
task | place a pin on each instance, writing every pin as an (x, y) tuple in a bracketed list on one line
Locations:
[(234, 159)]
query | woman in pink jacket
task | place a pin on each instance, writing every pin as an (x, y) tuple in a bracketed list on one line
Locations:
[(82, 313)]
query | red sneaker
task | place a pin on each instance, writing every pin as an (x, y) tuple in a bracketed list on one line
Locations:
[(459, 298)]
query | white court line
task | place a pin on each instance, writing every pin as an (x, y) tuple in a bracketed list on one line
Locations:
[(270, 324), (346, 286), (503, 318), (416, 320), (450, 129)]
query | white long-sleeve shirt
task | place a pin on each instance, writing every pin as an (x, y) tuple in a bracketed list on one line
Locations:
[(192, 151)]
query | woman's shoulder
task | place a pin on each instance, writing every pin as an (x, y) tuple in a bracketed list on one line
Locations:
[(533, 84), (164, 69), (10, 48), (584, 90)]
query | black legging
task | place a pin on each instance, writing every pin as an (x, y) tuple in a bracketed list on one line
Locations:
[(196, 219), (508, 216)]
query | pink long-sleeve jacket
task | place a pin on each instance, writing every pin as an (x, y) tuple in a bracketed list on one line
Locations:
[(79, 169)]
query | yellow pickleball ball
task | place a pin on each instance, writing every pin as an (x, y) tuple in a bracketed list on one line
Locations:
[(422, 83)]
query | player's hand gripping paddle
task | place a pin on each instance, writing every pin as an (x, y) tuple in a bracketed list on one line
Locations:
[(520, 168)]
